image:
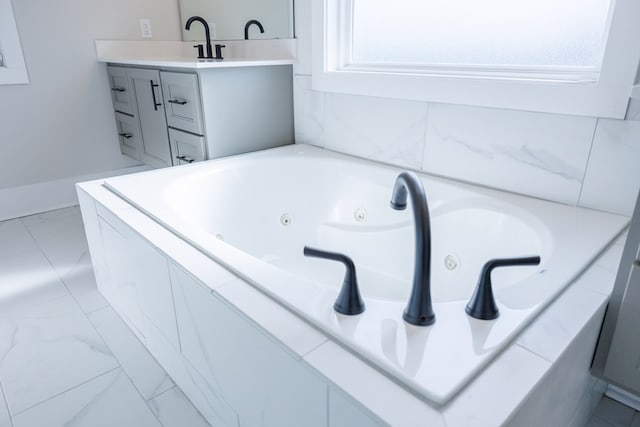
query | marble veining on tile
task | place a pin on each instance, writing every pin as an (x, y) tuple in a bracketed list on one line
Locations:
[(173, 409), (541, 155), (145, 373), (106, 401), (386, 130), (46, 349), (612, 181)]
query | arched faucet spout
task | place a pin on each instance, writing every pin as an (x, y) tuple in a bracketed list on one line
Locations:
[(207, 32), (419, 309), (249, 24)]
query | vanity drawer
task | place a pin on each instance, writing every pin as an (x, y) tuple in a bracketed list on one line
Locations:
[(186, 148), (128, 135), (119, 86), (182, 106)]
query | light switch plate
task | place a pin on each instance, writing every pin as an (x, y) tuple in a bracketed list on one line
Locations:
[(145, 27)]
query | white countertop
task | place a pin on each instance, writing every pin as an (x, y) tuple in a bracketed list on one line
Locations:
[(177, 54)]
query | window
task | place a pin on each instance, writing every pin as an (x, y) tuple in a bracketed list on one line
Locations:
[(562, 56), (12, 67)]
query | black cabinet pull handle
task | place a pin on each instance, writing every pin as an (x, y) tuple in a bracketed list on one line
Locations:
[(126, 135), (118, 89), (185, 159), (349, 301), (153, 94), (175, 101), (482, 304)]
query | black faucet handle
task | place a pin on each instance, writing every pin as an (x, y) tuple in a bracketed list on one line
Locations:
[(200, 48), (349, 301), (219, 51), (482, 304)]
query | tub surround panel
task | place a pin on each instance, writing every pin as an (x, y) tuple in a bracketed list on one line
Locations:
[(379, 129), (541, 155), (633, 110), (391, 402), (566, 388), (287, 328), (173, 409), (260, 381), (309, 112), (612, 180), (36, 363), (108, 400), (497, 382), (563, 320), (343, 412), (146, 375)]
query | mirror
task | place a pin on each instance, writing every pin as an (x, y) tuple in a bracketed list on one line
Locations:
[(227, 19)]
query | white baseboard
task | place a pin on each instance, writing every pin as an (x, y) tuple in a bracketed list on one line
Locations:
[(31, 199), (623, 397)]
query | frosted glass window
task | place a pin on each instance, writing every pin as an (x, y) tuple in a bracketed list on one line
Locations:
[(510, 33)]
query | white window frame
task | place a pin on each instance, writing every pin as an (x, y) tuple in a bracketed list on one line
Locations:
[(13, 69), (608, 97)]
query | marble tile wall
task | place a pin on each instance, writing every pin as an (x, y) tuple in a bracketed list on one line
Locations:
[(584, 161)]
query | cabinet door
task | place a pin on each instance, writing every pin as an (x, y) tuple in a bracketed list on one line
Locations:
[(128, 135), (257, 377), (119, 86), (186, 147), (182, 95), (145, 85)]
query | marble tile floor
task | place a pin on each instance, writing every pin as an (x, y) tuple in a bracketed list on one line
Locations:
[(66, 358)]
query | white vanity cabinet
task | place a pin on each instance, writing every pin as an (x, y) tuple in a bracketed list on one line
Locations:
[(171, 117), (149, 106), (128, 135)]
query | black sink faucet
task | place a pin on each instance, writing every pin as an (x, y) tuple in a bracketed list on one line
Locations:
[(249, 24), (207, 32), (419, 310)]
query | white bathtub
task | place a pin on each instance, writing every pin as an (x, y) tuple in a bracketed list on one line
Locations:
[(254, 214)]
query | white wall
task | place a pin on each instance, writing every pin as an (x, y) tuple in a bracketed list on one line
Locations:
[(584, 161), (61, 124)]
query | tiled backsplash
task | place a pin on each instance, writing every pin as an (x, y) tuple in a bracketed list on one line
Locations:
[(575, 160)]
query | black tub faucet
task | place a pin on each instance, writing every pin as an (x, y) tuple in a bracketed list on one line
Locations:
[(249, 24), (419, 310), (207, 33)]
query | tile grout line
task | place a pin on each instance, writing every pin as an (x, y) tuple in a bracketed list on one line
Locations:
[(66, 391), (86, 315), (6, 403), (586, 165)]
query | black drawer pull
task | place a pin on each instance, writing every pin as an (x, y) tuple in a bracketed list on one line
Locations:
[(126, 135), (175, 101), (156, 104), (185, 159), (118, 89)]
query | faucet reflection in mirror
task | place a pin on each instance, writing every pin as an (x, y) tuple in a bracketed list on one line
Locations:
[(249, 24)]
